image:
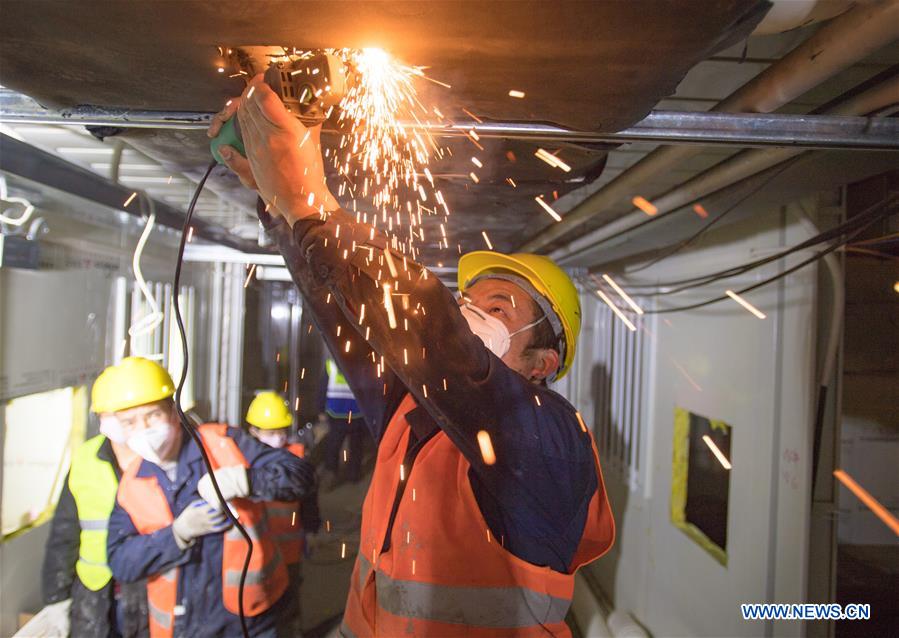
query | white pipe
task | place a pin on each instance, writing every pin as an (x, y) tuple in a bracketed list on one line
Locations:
[(835, 329), (623, 625), (836, 46), (589, 614), (786, 15), (730, 171)]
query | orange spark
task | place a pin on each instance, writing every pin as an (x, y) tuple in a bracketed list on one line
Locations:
[(872, 503), (486, 445), (548, 208), (645, 205)]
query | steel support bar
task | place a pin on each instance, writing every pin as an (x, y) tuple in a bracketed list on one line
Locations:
[(26, 161), (669, 127)]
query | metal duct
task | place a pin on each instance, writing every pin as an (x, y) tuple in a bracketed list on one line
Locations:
[(837, 45)]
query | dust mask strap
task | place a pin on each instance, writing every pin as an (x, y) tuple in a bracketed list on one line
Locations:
[(527, 327)]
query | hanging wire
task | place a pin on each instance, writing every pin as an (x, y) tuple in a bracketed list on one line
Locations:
[(185, 421), (150, 321)]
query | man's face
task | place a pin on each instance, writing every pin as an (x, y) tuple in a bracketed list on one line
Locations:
[(145, 416), (510, 304), (273, 438), (152, 415)]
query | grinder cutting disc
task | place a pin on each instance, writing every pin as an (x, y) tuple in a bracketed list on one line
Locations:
[(310, 88)]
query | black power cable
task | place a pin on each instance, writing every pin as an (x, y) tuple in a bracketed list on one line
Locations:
[(766, 179), (848, 226), (185, 422), (780, 275)]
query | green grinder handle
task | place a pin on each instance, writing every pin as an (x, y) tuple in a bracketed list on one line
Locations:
[(229, 135)]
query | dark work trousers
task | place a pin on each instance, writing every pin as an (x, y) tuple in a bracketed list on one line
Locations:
[(93, 614), (290, 622), (338, 430)]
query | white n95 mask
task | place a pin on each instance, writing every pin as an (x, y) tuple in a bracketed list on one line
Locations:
[(154, 443), (276, 438), (491, 330), (112, 429)]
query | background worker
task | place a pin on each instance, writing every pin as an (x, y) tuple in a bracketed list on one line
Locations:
[(75, 565), (269, 419), (344, 422), (167, 526), (487, 493)]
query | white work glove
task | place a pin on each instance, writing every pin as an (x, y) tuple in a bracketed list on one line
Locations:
[(50, 622), (198, 519), (232, 482)]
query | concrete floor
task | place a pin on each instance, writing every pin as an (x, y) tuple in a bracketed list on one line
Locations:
[(326, 573)]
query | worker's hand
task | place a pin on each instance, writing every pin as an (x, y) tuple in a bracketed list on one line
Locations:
[(232, 481), (233, 159), (284, 157), (198, 519)]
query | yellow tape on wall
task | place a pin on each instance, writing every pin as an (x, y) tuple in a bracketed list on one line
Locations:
[(680, 466)]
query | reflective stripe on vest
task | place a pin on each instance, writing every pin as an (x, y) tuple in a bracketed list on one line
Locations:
[(93, 484), (93, 525), (498, 607), (145, 502), (162, 615), (338, 388), (254, 576), (428, 583)]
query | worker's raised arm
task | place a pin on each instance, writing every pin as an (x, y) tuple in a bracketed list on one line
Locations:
[(342, 267), (377, 396), (537, 491), (371, 299)]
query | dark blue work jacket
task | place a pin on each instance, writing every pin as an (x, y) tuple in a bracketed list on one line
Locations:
[(274, 474)]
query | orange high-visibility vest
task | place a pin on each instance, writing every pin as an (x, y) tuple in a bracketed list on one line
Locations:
[(284, 520), (148, 508), (445, 574)]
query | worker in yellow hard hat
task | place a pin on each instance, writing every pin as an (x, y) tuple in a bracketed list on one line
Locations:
[(269, 419), (168, 524), (487, 485), (75, 567)]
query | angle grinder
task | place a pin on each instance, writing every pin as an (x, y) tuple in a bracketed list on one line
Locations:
[(310, 87)]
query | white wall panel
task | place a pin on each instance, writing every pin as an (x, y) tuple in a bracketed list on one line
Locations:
[(723, 363)]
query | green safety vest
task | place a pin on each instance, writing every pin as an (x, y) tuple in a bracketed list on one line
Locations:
[(338, 388), (93, 484)]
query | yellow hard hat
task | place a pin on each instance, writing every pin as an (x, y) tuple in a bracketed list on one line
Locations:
[(133, 382), (547, 279), (269, 411)]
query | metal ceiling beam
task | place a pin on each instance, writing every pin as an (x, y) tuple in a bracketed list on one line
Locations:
[(668, 127), (837, 45), (28, 162)]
